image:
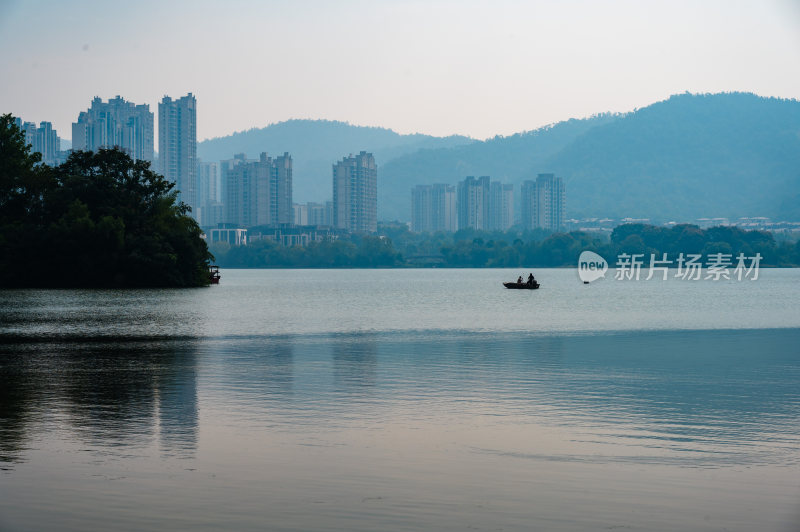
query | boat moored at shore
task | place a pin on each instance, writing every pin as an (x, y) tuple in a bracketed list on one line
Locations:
[(213, 274)]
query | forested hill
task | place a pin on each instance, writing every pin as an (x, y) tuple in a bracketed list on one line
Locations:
[(509, 159), (688, 157), (316, 144)]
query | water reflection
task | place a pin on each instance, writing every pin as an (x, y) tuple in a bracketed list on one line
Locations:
[(19, 390), (713, 396), (111, 393), (355, 362), (701, 396), (362, 429), (710, 396), (252, 371), (177, 404)]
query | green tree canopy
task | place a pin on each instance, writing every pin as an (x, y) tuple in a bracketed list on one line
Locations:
[(99, 219)]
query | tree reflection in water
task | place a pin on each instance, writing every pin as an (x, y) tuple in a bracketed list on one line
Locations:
[(116, 392)]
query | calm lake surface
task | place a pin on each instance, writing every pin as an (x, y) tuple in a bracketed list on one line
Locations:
[(403, 400)]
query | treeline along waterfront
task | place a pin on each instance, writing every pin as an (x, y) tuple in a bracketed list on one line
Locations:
[(396, 246)]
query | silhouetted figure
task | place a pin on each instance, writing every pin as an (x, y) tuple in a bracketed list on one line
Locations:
[(519, 280), (531, 279)]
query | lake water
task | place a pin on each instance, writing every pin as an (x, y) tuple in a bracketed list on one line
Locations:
[(403, 400)]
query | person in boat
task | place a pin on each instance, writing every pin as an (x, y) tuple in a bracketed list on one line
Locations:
[(531, 280), (519, 280)]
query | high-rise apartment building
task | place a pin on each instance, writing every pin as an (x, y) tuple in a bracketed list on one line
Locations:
[(258, 192), (300, 213), (246, 192), (177, 145), (207, 192), (501, 206), (327, 214), (543, 203), (433, 208), (115, 123), (207, 182), (281, 190), (311, 213), (320, 213), (485, 205), (472, 202), (47, 142), (355, 193), (527, 193), (225, 166), (44, 140), (28, 129)]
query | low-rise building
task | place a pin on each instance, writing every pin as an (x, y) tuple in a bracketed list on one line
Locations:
[(235, 236), (294, 235)]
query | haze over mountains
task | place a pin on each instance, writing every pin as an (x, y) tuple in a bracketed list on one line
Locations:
[(315, 145), (691, 156)]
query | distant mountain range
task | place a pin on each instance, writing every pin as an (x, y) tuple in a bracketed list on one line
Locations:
[(691, 156), (316, 144)]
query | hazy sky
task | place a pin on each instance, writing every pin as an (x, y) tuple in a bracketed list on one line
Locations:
[(437, 67)]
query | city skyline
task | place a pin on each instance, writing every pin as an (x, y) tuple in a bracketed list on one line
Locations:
[(540, 62), (209, 211)]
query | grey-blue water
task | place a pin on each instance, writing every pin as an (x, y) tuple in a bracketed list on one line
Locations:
[(403, 400)]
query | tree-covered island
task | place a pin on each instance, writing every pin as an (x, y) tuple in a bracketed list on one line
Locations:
[(100, 219)]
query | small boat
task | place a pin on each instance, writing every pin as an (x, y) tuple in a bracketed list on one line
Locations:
[(213, 274), (522, 286)]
